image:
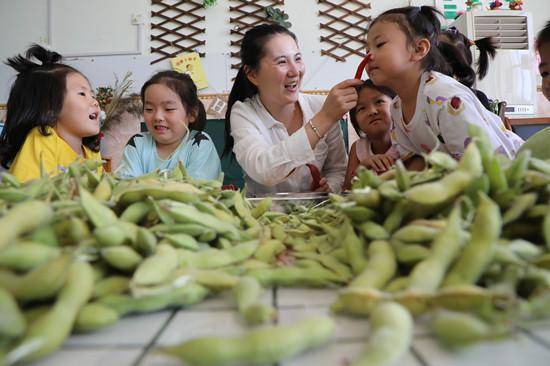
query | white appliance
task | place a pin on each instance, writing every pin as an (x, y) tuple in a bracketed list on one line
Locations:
[(512, 73)]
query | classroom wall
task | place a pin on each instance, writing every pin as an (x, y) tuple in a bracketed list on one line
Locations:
[(105, 26), (102, 27)]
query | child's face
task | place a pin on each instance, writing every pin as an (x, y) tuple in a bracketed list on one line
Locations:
[(544, 68), (373, 113), (79, 115), (165, 115), (280, 71), (390, 53)]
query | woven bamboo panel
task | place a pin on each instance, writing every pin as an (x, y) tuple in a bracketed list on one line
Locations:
[(176, 26), (343, 27), (246, 14)]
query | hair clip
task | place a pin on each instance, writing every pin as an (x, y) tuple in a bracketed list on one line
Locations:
[(415, 11), (452, 30)]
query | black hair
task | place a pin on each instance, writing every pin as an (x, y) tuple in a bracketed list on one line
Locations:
[(185, 88), (460, 68), (486, 47), (543, 36), (367, 84), (252, 51), (419, 22), (35, 100)]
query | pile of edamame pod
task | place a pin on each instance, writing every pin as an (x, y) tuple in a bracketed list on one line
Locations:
[(464, 245)]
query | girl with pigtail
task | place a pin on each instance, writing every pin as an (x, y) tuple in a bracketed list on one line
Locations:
[(52, 118), (431, 110), (456, 48)]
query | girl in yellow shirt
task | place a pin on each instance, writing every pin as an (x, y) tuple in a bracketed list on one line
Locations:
[(52, 117)]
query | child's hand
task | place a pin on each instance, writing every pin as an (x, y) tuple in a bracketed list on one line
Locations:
[(379, 162), (323, 186)]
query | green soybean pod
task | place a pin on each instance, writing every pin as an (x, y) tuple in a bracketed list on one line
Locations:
[(393, 220), (24, 256), (215, 258), (99, 214), (416, 233), (44, 281), (185, 213), (181, 240), (261, 207), (23, 218), (268, 250), (460, 329), (381, 266), (95, 316), (402, 176), (390, 338), (478, 253), (111, 285), (373, 231), (428, 274), (441, 191), (146, 242), (546, 229), (157, 268), (497, 178), (329, 262), (354, 248), (136, 212), (188, 294), (367, 197), (519, 206), (247, 293), (48, 332), (12, 321), (517, 169), (122, 257), (264, 346)]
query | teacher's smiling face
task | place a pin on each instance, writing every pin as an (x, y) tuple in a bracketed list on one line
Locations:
[(280, 71)]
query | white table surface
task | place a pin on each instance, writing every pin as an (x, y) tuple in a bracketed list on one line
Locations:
[(132, 340)]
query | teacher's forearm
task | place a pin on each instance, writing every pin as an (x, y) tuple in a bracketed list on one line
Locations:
[(317, 127)]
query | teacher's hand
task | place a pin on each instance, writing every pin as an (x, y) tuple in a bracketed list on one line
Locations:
[(341, 98)]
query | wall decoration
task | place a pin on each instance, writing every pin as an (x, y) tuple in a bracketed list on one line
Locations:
[(515, 5), (495, 5), (177, 26), (190, 63), (277, 16), (343, 27), (451, 9), (245, 15), (209, 3)]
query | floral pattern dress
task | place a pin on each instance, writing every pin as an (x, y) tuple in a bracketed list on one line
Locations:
[(444, 109)]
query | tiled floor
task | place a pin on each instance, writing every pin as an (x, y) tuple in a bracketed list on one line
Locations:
[(132, 341)]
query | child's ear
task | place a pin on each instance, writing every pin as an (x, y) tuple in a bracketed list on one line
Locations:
[(193, 116), (421, 49)]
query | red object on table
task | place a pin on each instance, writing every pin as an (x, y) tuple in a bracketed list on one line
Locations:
[(315, 176)]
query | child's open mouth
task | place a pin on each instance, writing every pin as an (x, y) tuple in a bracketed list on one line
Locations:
[(160, 128), (93, 116)]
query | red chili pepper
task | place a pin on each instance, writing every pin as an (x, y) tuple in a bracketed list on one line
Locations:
[(362, 66), (315, 176)]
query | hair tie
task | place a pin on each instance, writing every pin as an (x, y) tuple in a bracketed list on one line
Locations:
[(452, 30), (415, 11)]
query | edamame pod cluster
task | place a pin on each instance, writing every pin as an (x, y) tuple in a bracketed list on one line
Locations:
[(79, 251)]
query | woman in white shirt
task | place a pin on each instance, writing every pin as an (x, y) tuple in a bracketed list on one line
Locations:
[(284, 140)]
